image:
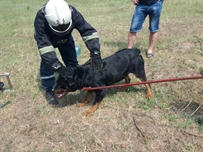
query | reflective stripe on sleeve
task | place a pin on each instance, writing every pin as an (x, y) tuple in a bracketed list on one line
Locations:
[(93, 36), (47, 77), (47, 49)]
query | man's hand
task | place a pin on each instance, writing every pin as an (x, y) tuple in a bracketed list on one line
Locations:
[(96, 61), (135, 2), (65, 72)]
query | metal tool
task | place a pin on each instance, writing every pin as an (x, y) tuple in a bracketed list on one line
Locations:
[(139, 83), (7, 74)]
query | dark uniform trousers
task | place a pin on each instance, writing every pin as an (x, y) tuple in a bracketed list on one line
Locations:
[(68, 55)]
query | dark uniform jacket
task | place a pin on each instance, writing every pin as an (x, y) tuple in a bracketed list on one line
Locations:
[(47, 40)]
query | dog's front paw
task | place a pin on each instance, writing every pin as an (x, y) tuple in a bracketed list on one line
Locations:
[(91, 109), (148, 96), (81, 104), (87, 113)]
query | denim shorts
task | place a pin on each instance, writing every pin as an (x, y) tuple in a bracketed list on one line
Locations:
[(141, 12)]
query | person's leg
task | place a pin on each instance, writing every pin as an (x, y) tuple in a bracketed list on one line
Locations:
[(136, 24), (47, 76), (152, 40), (68, 53), (131, 39), (48, 81), (154, 19)]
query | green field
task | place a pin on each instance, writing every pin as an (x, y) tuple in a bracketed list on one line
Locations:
[(125, 121)]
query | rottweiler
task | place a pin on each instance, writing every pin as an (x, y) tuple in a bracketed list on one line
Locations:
[(115, 68)]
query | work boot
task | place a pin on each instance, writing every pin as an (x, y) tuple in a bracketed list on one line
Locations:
[(49, 95), (1, 85)]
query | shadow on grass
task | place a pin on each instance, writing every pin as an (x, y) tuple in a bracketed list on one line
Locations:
[(75, 97), (72, 98), (113, 91)]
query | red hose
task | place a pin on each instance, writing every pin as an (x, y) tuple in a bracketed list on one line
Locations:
[(139, 83)]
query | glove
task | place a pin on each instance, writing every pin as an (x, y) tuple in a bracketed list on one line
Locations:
[(96, 61), (65, 72)]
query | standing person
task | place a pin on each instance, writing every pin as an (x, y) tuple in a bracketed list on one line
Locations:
[(1, 85), (53, 24), (144, 8)]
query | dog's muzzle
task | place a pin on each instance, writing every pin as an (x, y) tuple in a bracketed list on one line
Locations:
[(59, 93)]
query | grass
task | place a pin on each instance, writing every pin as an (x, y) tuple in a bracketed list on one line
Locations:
[(28, 123)]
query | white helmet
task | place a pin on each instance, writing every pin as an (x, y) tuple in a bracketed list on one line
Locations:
[(58, 15)]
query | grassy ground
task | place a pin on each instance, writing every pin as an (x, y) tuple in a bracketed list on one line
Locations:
[(125, 121)]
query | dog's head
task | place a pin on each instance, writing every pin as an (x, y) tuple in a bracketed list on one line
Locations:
[(64, 86), (61, 88)]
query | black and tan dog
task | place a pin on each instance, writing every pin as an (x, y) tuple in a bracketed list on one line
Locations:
[(115, 68)]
